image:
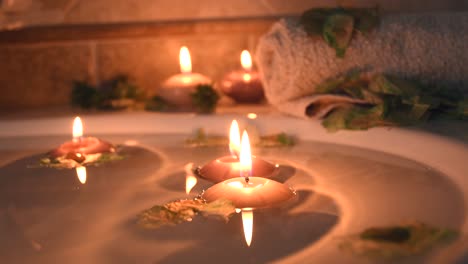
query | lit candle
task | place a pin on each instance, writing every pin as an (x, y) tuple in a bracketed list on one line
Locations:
[(178, 88), (80, 146), (228, 167), (248, 193), (244, 86)]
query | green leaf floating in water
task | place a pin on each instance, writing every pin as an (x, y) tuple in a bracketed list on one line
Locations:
[(201, 139), (181, 211), (65, 162), (397, 241)]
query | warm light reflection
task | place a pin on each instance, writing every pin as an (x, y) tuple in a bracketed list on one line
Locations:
[(77, 128), (246, 60), (234, 139), (247, 223), (251, 115), (246, 77), (190, 179), (245, 156), (81, 173), (184, 60)]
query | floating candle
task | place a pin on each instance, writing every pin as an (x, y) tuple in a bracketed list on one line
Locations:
[(228, 167), (257, 193), (248, 193), (244, 86), (80, 146), (177, 89)]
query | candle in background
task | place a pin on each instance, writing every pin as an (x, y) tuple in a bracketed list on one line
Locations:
[(244, 86), (178, 88)]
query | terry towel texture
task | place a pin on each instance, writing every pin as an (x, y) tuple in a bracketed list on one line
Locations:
[(430, 47)]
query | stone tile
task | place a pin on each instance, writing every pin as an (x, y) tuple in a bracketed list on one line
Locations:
[(151, 61), (39, 75)]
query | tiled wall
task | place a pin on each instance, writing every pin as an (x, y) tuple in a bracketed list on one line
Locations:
[(37, 70), (38, 73), (15, 13)]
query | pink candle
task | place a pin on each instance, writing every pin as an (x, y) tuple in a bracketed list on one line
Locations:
[(177, 89), (81, 145), (228, 167), (244, 86)]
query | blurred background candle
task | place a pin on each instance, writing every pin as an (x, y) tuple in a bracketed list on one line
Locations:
[(177, 89), (244, 86)]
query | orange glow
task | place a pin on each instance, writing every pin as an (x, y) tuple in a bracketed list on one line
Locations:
[(245, 157), (184, 60), (247, 224), (246, 77), (81, 173), (190, 179), (246, 60), (234, 139), (77, 128), (251, 115)]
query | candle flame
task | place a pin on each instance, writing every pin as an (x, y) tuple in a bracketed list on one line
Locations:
[(184, 60), (247, 224), (246, 60), (234, 139), (245, 156), (190, 179), (77, 128), (81, 173)]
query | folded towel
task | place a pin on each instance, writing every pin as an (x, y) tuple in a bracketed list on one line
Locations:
[(431, 48)]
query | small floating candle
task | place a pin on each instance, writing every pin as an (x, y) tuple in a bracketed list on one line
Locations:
[(177, 89), (228, 167), (244, 86), (248, 193), (257, 193), (80, 146)]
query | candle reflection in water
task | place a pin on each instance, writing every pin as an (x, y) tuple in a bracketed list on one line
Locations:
[(81, 173), (245, 161), (234, 139), (190, 179), (77, 135)]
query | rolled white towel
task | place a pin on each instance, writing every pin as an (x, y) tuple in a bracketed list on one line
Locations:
[(430, 47)]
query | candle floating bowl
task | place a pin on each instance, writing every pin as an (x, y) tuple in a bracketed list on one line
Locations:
[(228, 167), (256, 193)]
